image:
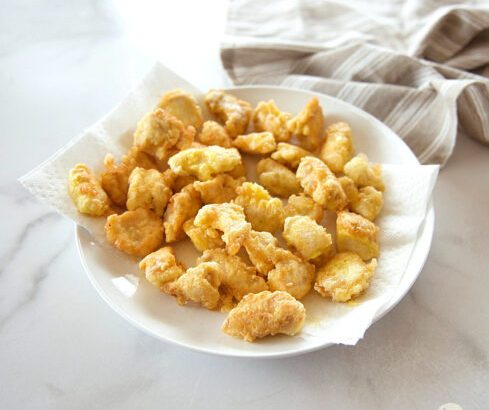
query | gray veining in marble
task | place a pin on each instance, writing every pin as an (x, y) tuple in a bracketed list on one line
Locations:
[(63, 65)]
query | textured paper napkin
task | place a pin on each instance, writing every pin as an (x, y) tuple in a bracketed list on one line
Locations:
[(407, 196)]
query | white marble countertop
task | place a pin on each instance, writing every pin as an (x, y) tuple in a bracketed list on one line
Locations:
[(62, 66)]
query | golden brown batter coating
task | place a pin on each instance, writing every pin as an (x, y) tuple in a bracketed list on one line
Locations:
[(137, 233), (205, 163), (354, 233), (183, 106), (277, 178), (268, 117), (337, 150), (265, 313), (86, 192), (321, 184), (232, 112), (160, 134), (182, 206), (344, 277), (264, 212), (308, 125)]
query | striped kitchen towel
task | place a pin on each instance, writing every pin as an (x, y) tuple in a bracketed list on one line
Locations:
[(420, 66)]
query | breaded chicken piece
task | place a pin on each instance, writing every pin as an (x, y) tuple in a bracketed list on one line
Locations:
[(115, 178), (369, 203), (86, 192), (344, 277), (277, 178), (183, 106), (291, 274), (203, 238), (177, 182), (268, 117), (161, 267), (160, 134), (182, 206), (285, 270), (239, 171), (256, 143), (337, 150), (350, 189), (228, 218), (219, 189), (306, 236), (260, 247), (265, 313), (289, 155), (199, 284), (147, 189), (264, 212), (214, 133), (308, 125), (137, 232), (363, 173), (320, 184), (304, 205), (237, 278), (354, 233), (233, 112), (205, 163)]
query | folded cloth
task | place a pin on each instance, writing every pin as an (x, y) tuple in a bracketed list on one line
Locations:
[(420, 67)]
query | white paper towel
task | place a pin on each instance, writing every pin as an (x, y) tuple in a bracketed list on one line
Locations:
[(407, 195)]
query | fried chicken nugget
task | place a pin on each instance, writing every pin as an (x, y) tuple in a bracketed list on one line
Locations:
[(233, 112), (137, 232), (239, 171), (264, 212), (291, 274), (86, 192), (304, 205), (309, 238), (265, 313), (183, 106), (344, 277), (350, 189), (160, 134), (214, 133), (268, 117), (357, 234), (289, 154), (161, 267), (228, 218), (256, 143), (369, 203), (285, 270), (237, 278), (363, 173), (260, 247), (205, 163), (199, 284), (218, 189), (308, 125), (203, 238), (147, 189), (320, 184), (337, 150), (277, 178), (115, 178), (182, 206)]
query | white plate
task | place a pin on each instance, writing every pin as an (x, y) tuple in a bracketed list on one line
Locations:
[(126, 291)]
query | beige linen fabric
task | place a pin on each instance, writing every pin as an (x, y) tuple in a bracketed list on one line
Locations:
[(421, 67)]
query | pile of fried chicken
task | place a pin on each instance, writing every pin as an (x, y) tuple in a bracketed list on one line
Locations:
[(185, 179)]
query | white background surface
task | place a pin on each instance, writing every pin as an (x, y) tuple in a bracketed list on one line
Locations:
[(63, 65)]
